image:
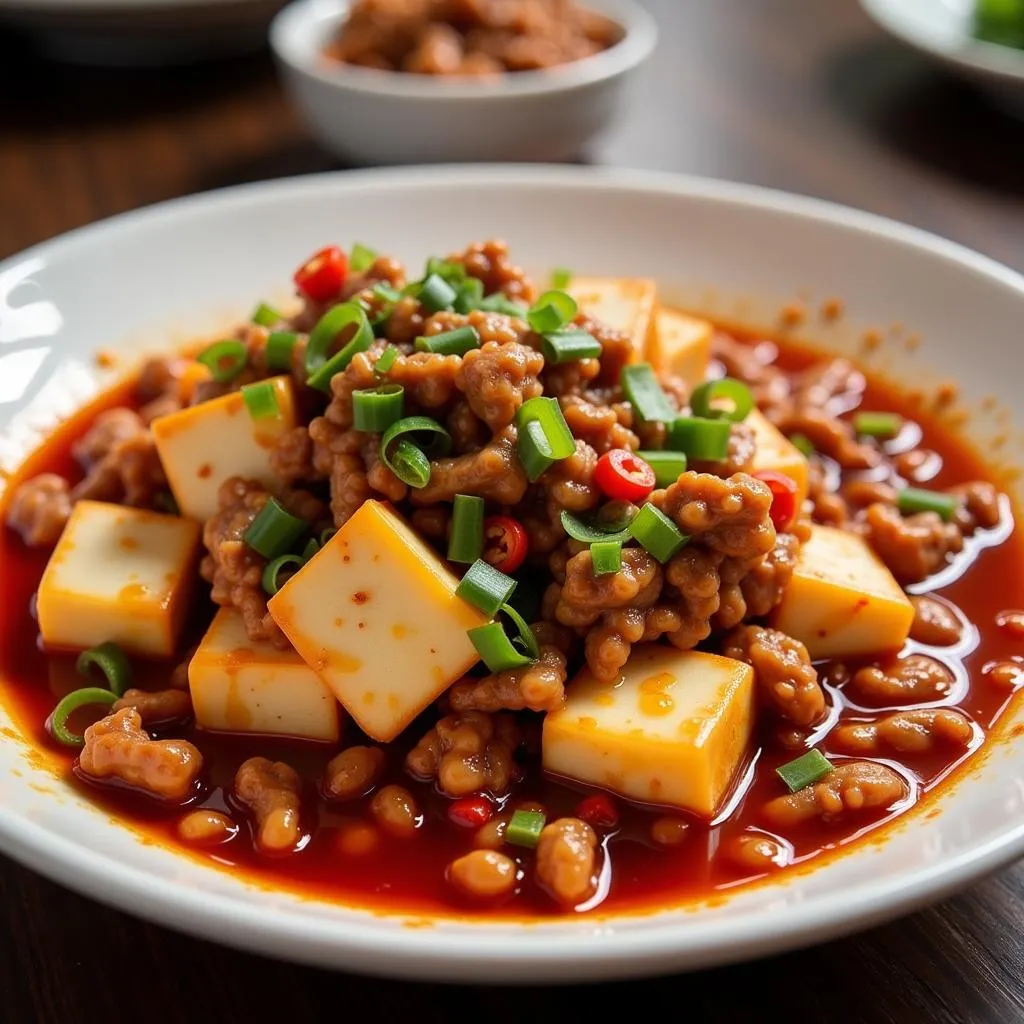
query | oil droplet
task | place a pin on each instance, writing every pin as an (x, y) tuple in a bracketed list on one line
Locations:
[(604, 700), (654, 701)]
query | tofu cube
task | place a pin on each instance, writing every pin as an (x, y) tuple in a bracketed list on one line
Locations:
[(247, 686), (681, 345), (673, 731), (119, 574), (623, 303), (841, 600), (776, 452), (203, 445), (374, 613)]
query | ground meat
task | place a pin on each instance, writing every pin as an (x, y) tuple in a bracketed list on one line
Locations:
[(405, 324), (584, 596), (494, 473), (356, 376), (861, 493), (755, 851), (570, 378), (337, 454), (484, 874), (497, 379), (696, 575), (850, 787), (467, 752), (497, 327), (539, 687), (108, 430), (914, 679), (566, 860), (610, 640), (830, 436), (912, 547), (395, 810), (669, 831), (156, 707), (785, 677), (432, 522), (739, 457), (291, 458), (489, 262), (906, 732), (352, 773), (569, 483), (827, 507), (770, 386), (979, 508), (130, 471), (206, 828), (383, 270), (379, 476), (117, 747), (917, 465), (598, 425), (762, 585), (834, 385), (935, 623), (616, 347), (270, 790), (469, 433), (159, 387), (39, 509)]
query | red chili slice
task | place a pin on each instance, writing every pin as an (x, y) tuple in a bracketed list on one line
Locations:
[(623, 476), (471, 811), (783, 497), (598, 811), (505, 543), (321, 277)]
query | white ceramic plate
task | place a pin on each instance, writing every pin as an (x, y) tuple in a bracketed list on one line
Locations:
[(942, 30), (155, 276)]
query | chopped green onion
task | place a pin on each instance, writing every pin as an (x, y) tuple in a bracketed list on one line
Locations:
[(877, 424), (326, 535), (261, 400), (469, 294), (467, 537), (283, 565), (57, 723), (375, 409), (700, 439), (111, 661), (409, 463), (265, 316), (225, 359), (166, 503), (496, 649), (450, 270), (499, 302), (361, 258), (568, 346), (544, 436), (706, 400), (657, 533), (320, 366), (450, 343), (802, 443), (561, 277), (312, 548), (527, 640), (587, 532), (524, 828), (916, 499), (667, 465), (644, 392), (485, 587), (430, 439), (551, 312), (386, 292), (274, 531), (385, 360), (804, 771), (606, 556), (280, 346), (436, 294)]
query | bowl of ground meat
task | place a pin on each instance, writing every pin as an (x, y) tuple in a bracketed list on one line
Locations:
[(418, 81)]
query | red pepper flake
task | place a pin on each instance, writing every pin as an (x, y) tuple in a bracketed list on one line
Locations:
[(471, 811)]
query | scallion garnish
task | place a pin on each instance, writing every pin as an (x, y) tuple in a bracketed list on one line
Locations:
[(361, 258), (526, 640), (524, 828), (916, 499), (644, 392), (409, 463), (701, 439), (428, 438), (568, 346), (544, 436), (668, 466), (469, 294), (485, 587), (375, 409), (495, 648), (877, 424), (320, 365), (449, 270), (280, 345), (312, 548), (587, 532), (804, 771), (279, 570), (450, 343), (261, 400), (499, 302), (274, 531), (561, 277), (467, 535), (656, 533), (435, 293), (265, 316), (551, 312), (326, 535), (706, 400), (606, 556), (385, 292), (225, 359), (111, 661), (802, 443), (57, 723), (385, 360)]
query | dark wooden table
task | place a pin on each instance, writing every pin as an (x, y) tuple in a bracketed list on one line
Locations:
[(800, 94)]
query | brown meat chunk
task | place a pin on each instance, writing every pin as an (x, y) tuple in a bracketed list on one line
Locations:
[(337, 454), (130, 473), (291, 458), (905, 732), (861, 493), (598, 425), (785, 677), (835, 385), (493, 473), (572, 378), (914, 679), (468, 752), (566, 860), (830, 436), (107, 431), (438, 52), (755, 851), (912, 547), (616, 346), (117, 747), (39, 509), (538, 687), (849, 788), (610, 640), (935, 622), (206, 828), (497, 379), (979, 508), (155, 707), (353, 772), (569, 483), (762, 586), (584, 596), (696, 575), (490, 262), (271, 790), (395, 810), (827, 507), (499, 328), (356, 376), (484, 874)]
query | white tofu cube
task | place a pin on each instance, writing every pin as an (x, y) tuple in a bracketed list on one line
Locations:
[(374, 613), (119, 574), (681, 344), (774, 451), (672, 731), (245, 686), (203, 445)]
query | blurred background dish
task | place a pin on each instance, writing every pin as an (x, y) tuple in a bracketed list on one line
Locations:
[(370, 116)]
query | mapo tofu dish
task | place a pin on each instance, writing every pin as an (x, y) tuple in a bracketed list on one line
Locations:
[(446, 592)]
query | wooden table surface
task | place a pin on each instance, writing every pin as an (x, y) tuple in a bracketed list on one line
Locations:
[(803, 95)]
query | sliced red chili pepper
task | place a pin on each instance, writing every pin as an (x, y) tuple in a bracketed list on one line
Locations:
[(505, 543), (320, 278), (623, 476), (471, 811), (598, 811), (783, 497)]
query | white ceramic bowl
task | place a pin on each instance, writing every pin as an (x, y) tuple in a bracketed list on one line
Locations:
[(730, 250), (378, 117)]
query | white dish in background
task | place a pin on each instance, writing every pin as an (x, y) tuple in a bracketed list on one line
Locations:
[(366, 116), (706, 243), (942, 30)]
